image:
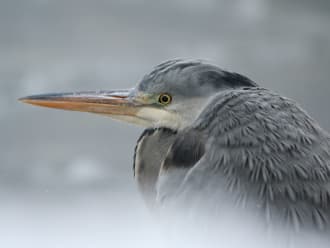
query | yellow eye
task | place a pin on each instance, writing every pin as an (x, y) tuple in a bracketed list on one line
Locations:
[(165, 99)]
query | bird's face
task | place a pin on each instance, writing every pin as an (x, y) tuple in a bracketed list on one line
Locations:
[(170, 96), (158, 109)]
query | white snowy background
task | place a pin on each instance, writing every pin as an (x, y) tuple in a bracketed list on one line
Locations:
[(66, 178)]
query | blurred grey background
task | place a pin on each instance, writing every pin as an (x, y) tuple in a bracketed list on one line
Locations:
[(66, 178)]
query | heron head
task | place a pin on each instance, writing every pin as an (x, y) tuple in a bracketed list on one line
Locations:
[(171, 96)]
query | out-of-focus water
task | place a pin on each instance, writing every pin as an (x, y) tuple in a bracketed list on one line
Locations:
[(66, 178)]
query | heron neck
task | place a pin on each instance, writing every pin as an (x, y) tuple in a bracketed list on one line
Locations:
[(150, 151)]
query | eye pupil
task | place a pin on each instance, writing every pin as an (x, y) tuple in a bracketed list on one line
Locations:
[(164, 98)]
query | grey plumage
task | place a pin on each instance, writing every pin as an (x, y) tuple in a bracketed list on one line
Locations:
[(192, 78), (147, 164), (252, 147)]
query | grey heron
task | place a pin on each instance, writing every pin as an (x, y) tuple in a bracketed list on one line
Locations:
[(213, 134)]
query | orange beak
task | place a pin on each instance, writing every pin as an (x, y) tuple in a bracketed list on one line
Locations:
[(114, 103)]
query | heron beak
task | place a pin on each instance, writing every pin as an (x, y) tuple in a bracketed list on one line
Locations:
[(119, 104)]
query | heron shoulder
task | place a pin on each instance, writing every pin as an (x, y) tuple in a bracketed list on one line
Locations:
[(267, 148)]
